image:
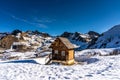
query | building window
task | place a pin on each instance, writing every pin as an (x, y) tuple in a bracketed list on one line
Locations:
[(63, 53), (14, 47), (56, 51)]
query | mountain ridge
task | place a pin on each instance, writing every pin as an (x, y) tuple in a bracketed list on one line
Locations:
[(92, 39)]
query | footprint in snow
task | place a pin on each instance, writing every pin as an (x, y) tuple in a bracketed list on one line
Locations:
[(66, 77), (88, 75)]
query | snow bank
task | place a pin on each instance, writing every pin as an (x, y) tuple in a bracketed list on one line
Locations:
[(42, 60), (102, 52), (86, 54), (20, 55)]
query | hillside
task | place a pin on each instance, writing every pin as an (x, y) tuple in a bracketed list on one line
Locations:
[(29, 40), (109, 39)]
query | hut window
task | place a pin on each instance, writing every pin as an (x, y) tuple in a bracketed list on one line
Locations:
[(63, 53), (56, 51), (14, 47), (50, 49)]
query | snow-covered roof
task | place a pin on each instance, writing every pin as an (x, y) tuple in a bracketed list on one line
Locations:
[(66, 42), (20, 43)]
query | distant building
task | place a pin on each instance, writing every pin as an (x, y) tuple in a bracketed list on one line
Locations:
[(16, 43), (19, 46), (62, 50)]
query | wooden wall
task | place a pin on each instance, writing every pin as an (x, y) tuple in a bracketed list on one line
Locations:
[(70, 54)]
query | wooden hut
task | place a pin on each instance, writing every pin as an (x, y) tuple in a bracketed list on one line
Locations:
[(62, 50)]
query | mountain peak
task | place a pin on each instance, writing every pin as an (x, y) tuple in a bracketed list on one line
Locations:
[(109, 39), (116, 27)]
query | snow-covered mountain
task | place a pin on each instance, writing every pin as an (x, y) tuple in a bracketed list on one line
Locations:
[(109, 39), (81, 40), (31, 40)]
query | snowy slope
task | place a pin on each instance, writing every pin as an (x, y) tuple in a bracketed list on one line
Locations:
[(87, 53), (109, 39), (97, 68), (101, 68)]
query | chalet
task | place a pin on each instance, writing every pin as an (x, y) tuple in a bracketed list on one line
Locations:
[(62, 51)]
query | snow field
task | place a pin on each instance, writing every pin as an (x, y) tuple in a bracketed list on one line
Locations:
[(105, 68)]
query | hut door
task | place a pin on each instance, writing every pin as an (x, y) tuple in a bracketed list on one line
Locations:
[(63, 55), (56, 54)]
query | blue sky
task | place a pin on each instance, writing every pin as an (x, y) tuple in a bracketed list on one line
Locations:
[(57, 16)]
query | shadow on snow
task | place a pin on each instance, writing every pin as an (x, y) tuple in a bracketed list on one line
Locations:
[(91, 60), (22, 61)]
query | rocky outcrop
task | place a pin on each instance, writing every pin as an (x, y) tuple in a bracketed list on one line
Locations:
[(7, 41), (36, 32), (93, 34)]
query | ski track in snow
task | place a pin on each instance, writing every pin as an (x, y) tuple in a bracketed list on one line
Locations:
[(106, 68)]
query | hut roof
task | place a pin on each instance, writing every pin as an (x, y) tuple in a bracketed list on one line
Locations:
[(66, 42)]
